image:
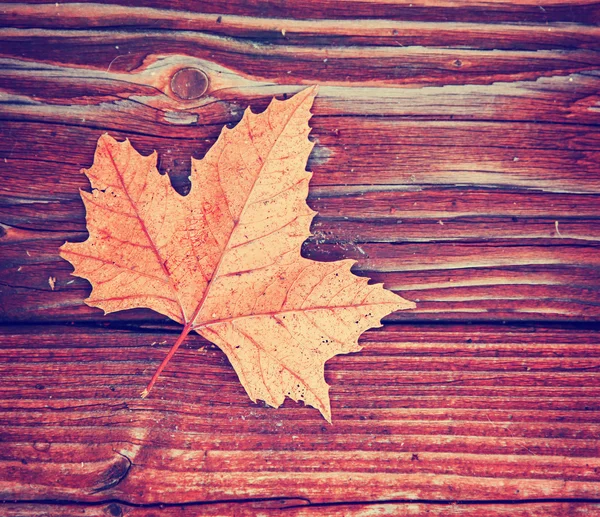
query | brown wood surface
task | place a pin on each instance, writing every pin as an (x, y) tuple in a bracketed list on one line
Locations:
[(457, 160), (448, 413)]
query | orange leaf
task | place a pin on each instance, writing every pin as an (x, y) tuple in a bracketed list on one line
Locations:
[(225, 260)]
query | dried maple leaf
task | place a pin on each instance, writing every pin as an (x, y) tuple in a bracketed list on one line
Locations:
[(225, 260)]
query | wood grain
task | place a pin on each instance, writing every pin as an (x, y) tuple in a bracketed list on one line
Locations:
[(487, 281), (446, 413), (576, 11), (300, 508), (288, 31), (457, 159)]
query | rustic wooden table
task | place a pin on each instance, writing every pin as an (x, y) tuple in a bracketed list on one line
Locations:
[(457, 160)]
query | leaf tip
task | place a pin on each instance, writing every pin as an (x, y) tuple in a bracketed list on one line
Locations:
[(144, 393), (326, 412), (105, 137), (402, 304), (308, 95), (311, 90)]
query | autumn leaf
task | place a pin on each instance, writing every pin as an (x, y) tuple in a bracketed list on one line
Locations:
[(224, 260)]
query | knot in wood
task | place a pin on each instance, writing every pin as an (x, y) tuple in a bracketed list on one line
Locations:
[(114, 510), (189, 83)]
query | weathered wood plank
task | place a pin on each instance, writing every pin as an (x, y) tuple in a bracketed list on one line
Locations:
[(426, 413), (546, 100), (481, 280), (522, 11), (486, 35), (394, 65), (493, 413), (351, 152)]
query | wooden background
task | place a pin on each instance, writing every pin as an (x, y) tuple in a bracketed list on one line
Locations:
[(457, 159)]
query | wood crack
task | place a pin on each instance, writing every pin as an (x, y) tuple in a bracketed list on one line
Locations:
[(305, 502)]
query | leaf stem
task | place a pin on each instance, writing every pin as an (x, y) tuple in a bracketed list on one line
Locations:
[(182, 336)]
